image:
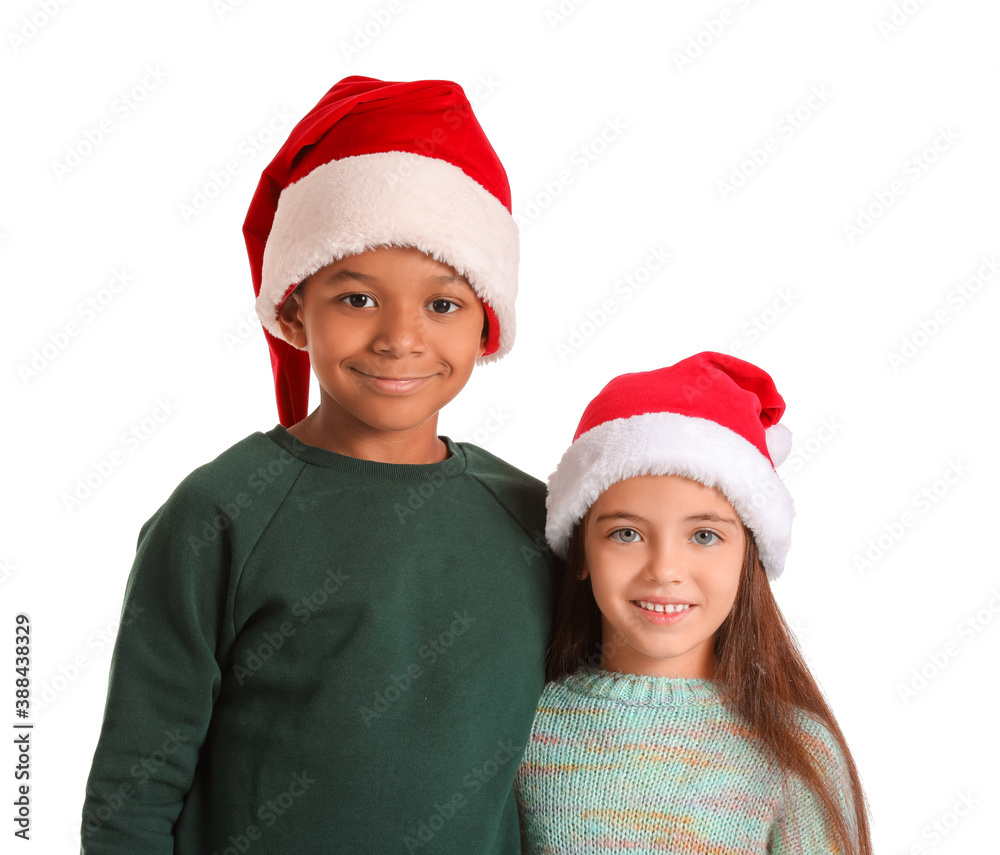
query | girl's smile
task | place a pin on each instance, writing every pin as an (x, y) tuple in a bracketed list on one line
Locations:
[(664, 613)]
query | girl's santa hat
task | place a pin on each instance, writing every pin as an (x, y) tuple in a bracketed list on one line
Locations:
[(712, 418), (373, 164)]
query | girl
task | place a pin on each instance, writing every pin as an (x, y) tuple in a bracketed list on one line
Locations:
[(680, 716)]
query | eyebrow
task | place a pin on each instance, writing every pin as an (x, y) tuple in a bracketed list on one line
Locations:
[(341, 275), (707, 516), (356, 276), (711, 516), (620, 515)]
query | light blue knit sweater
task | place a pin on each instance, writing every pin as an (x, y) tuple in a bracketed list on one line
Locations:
[(619, 763)]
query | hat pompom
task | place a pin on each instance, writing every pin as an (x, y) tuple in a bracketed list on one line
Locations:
[(779, 443)]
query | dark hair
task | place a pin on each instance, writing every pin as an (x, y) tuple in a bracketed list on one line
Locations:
[(761, 676)]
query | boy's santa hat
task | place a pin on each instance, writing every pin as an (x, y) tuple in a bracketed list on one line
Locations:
[(374, 164), (712, 418)]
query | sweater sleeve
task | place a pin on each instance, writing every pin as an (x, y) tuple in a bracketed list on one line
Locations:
[(165, 676), (803, 826)]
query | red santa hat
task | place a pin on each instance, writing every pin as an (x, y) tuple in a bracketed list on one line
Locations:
[(378, 163), (712, 418)]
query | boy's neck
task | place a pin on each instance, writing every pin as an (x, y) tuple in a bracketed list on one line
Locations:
[(420, 445)]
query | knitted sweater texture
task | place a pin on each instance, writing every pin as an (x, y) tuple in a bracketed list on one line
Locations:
[(622, 763)]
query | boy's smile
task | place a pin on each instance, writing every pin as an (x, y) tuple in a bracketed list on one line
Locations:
[(392, 336), (664, 555)]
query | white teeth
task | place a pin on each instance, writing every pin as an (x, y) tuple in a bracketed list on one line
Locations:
[(669, 608)]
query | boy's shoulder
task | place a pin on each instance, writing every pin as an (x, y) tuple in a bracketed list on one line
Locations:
[(250, 465), (521, 494)]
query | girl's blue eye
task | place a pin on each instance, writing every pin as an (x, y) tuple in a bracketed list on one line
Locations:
[(626, 535), (443, 307), (704, 537), (359, 301)]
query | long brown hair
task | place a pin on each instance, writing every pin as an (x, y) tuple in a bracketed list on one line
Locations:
[(760, 673)]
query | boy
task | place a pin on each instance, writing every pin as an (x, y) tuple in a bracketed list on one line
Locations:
[(341, 625)]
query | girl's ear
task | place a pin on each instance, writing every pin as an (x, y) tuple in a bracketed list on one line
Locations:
[(290, 321), (584, 572)]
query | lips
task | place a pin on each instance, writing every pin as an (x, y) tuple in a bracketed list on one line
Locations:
[(391, 384), (662, 608), (662, 612)]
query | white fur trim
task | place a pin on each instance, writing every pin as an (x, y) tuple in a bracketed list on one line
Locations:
[(779, 443), (672, 444), (392, 199)]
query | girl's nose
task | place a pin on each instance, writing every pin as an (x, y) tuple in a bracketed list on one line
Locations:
[(665, 564)]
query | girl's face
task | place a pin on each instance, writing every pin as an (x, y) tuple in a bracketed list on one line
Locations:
[(664, 555)]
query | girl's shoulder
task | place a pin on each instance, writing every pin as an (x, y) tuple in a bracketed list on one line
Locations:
[(823, 746)]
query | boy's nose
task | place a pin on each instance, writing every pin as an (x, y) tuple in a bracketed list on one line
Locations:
[(400, 333)]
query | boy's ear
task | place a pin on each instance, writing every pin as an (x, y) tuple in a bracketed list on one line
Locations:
[(290, 321), (485, 336)]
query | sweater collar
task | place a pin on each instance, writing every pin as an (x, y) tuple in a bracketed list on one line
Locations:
[(642, 690), (454, 464)]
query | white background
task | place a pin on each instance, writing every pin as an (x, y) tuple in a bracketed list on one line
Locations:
[(882, 408)]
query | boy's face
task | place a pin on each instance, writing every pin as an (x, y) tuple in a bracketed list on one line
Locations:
[(392, 336)]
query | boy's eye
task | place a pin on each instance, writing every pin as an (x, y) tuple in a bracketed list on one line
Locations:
[(359, 301), (704, 537), (626, 535), (443, 307)]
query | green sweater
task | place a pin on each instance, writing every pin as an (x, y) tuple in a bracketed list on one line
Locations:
[(619, 763), (320, 654)]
